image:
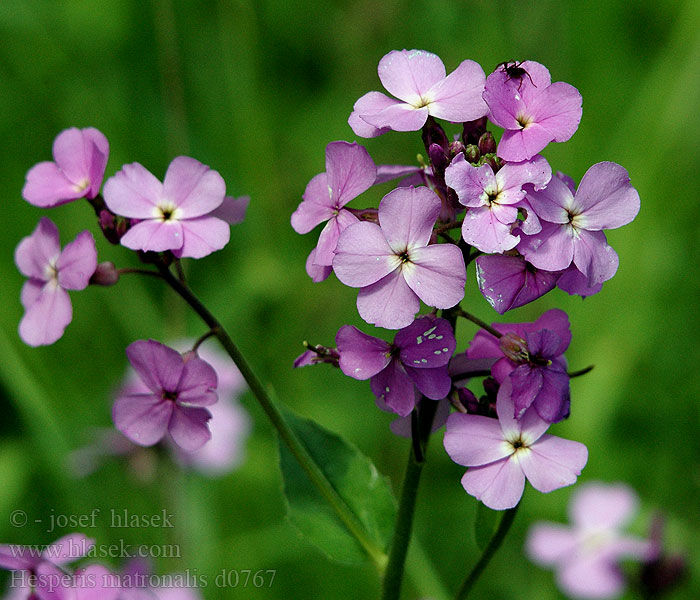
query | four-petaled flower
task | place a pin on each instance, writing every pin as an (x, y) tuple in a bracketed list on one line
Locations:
[(501, 453), (51, 272), (179, 389), (394, 264), (586, 555), (417, 359), (80, 157), (174, 215), (419, 80)]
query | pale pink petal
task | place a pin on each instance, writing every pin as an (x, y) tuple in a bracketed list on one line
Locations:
[(517, 145), (407, 216), (369, 104), (558, 110), (97, 149), (600, 505), (202, 236), (15, 558), (514, 175), (409, 74), (143, 418), (69, 153), (470, 182), (158, 366), (552, 462), (77, 262), (487, 233), (388, 303), (363, 255), (52, 583), (458, 97), (45, 321), (553, 203), (154, 236), (549, 543), (590, 576), (95, 582), (188, 427), (361, 356), (193, 187), (31, 290), (436, 274), (499, 485), (350, 171), (38, 250), (232, 210), (552, 249), (328, 239), (133, 192), (68, 548), (473, 440), (399, 117), (607, 198), (389, 172), (47, 186), (318, 205), (317, 272)]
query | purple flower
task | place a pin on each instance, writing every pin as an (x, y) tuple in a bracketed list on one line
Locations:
[(80, 157), (419, 80), (393, 263), (349, 171), (179, 389), (586, 554), (232, 210), (532, 110), (174, 215), (531, 359), (508, 282), (492, 200), (502, 453), (418, 358), (51, 272), (572, 224)]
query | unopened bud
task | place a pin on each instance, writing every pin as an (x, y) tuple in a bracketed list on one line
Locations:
[(487, 143), (106, 274), (492, 161), (471, 152), (437, 157), (473, 130)]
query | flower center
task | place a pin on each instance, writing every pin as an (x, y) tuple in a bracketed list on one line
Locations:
[(172, 396), (167, 211), (523, 120), (404, 257)]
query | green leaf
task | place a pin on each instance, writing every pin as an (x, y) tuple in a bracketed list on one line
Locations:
[(485, 525), (356, 480)]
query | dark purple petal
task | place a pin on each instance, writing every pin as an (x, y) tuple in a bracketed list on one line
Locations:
[(143, 418), (526, 383), (77, 262), (394, 388), (388, 303), (508, 282), (428, 342), (188, 427), (361, 356), (432, 383), (572, 281), (555, 320)]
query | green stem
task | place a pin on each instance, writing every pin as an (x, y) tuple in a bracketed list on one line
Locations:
[(493, 545), (459, 311), (391, 589), (287, 435)]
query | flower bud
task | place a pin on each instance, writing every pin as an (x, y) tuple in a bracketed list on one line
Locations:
[(437, 157), (473, 130), (487, 143), (471, 153), (106, 274)]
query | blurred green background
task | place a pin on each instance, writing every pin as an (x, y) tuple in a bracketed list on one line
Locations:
[(256, 90)]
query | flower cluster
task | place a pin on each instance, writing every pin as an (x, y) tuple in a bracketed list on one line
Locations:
[(527, 230)]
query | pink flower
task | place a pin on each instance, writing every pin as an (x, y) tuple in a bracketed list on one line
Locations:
[(179, 389), (502, 453), (532, 110), (80, 157), (51, 272), (586, 554), (419, 80), (174, 215), (394, 264), (573, 224)]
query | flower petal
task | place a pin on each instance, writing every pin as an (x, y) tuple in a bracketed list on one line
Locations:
[(350, 171), (317, 206), (133, 192), (549, 543), (499, 485), (154, 236), (188, 427), (388, 303), (407, 216), (143, 418), (552, 462), (369, 104), (363, 255), (599, 505), (47, 186), (473, 440), (409, 74), (201, 236), (232, 210), (158, 366), (437, 274), (68, 548), (38, 250), (607, 198), (458, 97), (77, 262), (394, 389), (428, 342), (432, 383), (399, 117), (47, 318), (193, 187), (361, 356), (197, 383)]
